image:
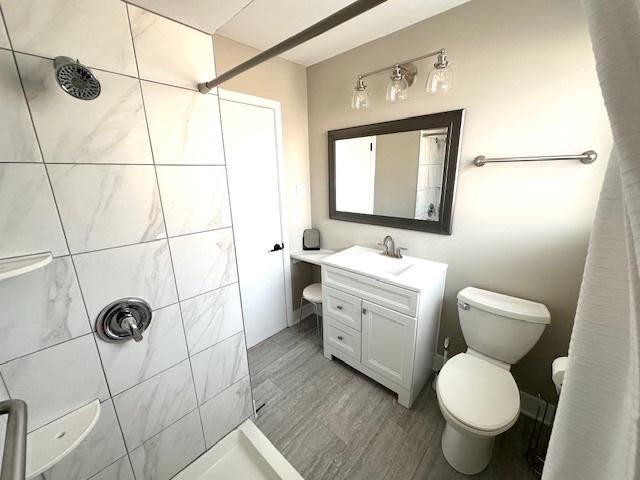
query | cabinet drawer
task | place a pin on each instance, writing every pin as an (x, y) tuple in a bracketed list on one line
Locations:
[(343, 307), (342, 338), (396, 298)]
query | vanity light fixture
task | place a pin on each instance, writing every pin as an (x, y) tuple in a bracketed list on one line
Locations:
[(441, 77), (403, 75), (360, 97), (398, 86)]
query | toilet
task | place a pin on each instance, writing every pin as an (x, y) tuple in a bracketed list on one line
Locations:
[(477, 394)]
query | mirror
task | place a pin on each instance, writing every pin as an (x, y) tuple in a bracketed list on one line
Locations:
[(398, 174)]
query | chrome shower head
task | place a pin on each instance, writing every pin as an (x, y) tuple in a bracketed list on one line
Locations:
[(76, 79)]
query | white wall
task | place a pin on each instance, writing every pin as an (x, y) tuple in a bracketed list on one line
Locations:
[(525, 76), (129, 192)]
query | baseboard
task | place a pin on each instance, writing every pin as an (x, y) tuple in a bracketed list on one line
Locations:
[(528, 402)]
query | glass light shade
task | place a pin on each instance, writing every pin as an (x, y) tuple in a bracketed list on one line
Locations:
[(440, 80), (397, 89), (360, 99)]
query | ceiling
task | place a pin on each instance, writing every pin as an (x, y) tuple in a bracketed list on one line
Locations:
[(263, 23), (205, 15)]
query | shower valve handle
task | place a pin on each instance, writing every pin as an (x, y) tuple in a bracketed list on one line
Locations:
[(130, 321)]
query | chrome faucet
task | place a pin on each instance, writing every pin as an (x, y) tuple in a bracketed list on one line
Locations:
[(389, 248)]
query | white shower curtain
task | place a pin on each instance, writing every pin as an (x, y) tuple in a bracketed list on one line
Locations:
[(595, 435)]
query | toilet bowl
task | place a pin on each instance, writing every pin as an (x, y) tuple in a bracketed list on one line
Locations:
[(477, 395)]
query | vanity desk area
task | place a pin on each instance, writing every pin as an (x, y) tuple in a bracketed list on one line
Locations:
[(314, 257)]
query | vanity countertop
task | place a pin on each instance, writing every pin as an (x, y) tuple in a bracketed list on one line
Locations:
[(314, 257), (408, 272)]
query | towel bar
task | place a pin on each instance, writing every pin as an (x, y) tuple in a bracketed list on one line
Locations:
[(586, 157)]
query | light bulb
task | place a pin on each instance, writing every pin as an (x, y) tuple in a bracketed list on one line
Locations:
[(398, 87), (360, 96), (441, 77)]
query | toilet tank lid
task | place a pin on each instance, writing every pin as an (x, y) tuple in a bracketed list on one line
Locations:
[(505, 305)]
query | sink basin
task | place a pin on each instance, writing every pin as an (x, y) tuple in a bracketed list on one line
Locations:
[(406, 272), (380, 263)]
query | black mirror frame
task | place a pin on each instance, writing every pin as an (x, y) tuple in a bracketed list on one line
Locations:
[(453, 120)]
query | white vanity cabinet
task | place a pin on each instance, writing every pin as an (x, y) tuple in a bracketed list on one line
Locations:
[(381, 316)]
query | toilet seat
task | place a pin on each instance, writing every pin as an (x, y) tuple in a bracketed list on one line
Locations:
[(479, 396)]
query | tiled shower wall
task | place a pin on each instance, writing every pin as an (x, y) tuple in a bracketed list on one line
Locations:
[(129, 193)]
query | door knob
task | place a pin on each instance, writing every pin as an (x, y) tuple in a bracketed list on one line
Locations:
[(364, 311), (277, 247)]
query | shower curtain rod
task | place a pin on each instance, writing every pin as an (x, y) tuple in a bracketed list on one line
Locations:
[(338, 18)]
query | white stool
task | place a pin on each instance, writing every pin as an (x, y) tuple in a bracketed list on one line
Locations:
[(313, 295)]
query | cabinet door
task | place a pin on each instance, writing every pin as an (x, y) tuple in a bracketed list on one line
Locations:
[(388, 342)]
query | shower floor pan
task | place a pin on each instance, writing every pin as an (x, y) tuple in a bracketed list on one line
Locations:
[(245, 453)]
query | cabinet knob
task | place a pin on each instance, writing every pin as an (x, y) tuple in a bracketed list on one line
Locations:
[(364, 310), (340, 337), (339, 307)]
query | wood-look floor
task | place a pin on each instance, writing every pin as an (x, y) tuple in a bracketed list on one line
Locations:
[(331, 422)]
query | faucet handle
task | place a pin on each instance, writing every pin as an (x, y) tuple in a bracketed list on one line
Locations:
[(130, 321), (399, 251)]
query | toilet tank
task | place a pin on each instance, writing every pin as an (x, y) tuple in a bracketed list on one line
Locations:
[(500, 326)]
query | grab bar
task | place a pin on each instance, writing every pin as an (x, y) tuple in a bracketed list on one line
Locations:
[(14, 457), (586, 157)]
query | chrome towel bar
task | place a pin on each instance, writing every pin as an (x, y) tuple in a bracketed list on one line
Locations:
[(586, 157), (15, 441)]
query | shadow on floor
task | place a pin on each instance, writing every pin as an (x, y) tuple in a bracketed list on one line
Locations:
[(332, 422)]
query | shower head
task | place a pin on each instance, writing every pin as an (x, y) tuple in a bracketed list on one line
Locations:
[(76, 79)]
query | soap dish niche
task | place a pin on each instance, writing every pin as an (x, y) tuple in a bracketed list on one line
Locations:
[(49, 444), (14, 266)]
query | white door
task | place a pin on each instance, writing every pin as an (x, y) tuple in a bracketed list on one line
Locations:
[(250, 143), (388, 342), (355, 174)]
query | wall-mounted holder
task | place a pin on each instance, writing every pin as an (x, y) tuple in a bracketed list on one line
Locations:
[(49, 444), (123, 319), (587, 157), (12, 267)]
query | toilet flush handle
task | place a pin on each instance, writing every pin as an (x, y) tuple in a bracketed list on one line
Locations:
[(464, 305)]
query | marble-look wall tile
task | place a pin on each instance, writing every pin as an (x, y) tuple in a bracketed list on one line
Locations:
[(4, 39), (184, 125), (212, 317), (119, 470), (142, 270), (217, 367), (127, 364), (156, 403), (41, 309), (435, 175), (164, 455), (106, 206), (102, 447), (17, 138), (423, 177), (169, 52), (109, 129), (28, 215), (56, 380), (204, 261), (195, 199), (226, 411), (94, 31)]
